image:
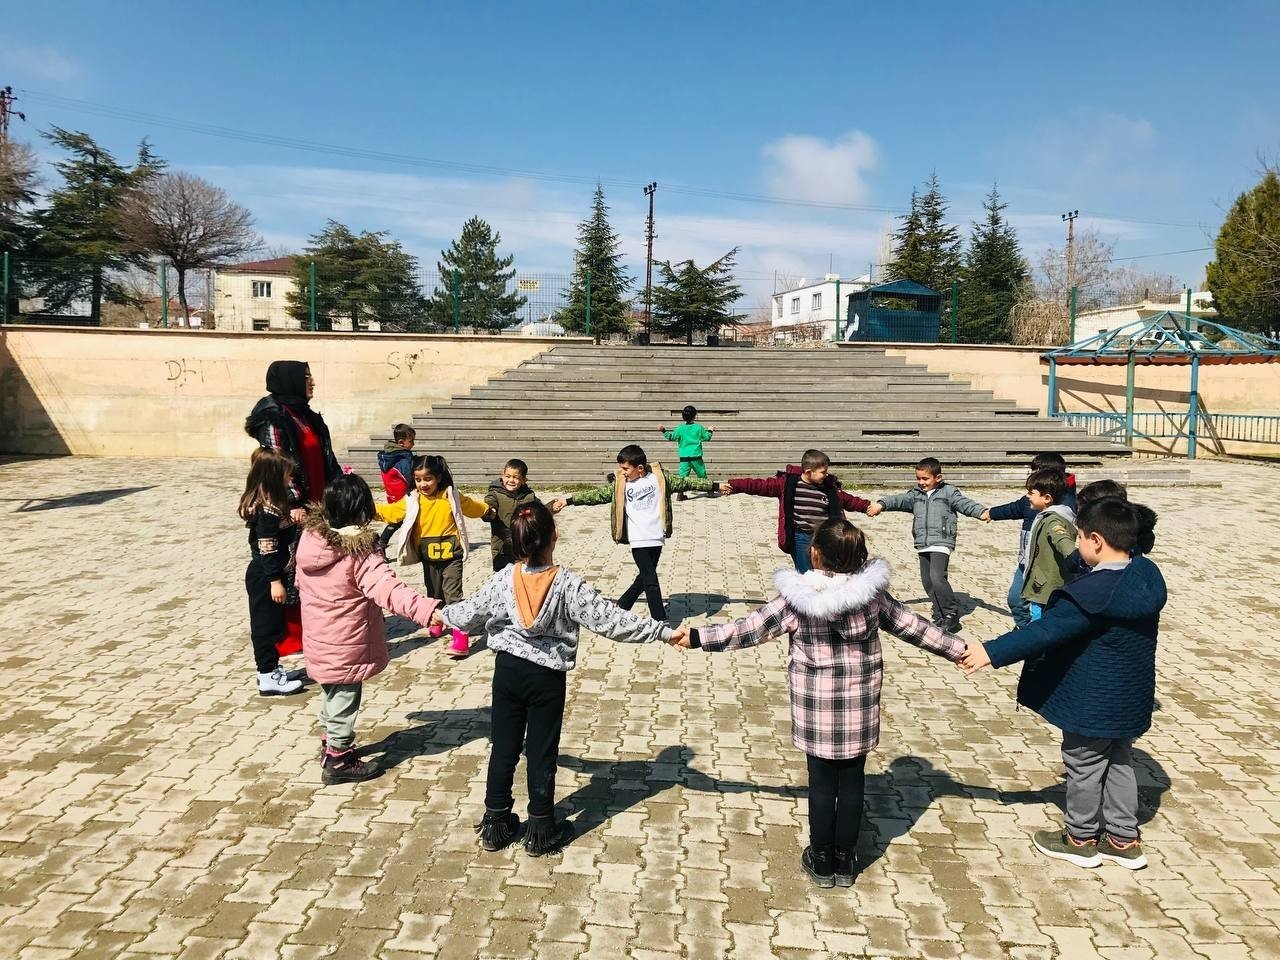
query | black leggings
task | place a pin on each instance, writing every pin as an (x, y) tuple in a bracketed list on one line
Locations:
[(835, 802), (646, 582), (266, 618), (528, 709)]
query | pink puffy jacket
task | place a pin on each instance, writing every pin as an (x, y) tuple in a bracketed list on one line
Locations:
[(344, 585)]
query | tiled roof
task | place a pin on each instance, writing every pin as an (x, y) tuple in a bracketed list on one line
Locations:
[(275, 265)]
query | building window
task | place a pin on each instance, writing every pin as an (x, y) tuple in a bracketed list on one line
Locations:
[(795, 305), (262, 289), (817, 301), (777, 302), (261, 323)]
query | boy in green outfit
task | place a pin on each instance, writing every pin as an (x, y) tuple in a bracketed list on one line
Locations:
[(689, 437)]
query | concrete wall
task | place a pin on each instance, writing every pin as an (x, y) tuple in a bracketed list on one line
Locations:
[(185, 393), (1016, 373)]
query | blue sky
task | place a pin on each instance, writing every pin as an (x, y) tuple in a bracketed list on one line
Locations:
[(1147, 118)]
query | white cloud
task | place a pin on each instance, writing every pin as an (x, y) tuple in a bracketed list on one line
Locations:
[(41, 63), (810, 168)]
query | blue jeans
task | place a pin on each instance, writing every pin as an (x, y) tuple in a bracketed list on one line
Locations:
[(1018, 606), (800, 551)]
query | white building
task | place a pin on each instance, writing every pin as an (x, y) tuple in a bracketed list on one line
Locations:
[(1092, 322), (810, 310), (252, 296)]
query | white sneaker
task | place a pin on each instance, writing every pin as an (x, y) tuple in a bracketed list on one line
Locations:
[(277, 684)]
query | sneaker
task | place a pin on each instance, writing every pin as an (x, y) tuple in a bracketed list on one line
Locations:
[(277, 683), (435, 630), (950, 624), (682, 495), (498, 829), (820, 866), (547, 835), (1127, 853), (346, 767), (1062, 846), (846, 865), (461, 645)]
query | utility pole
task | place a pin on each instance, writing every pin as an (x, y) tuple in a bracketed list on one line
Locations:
[(1070, 220), (648, 269), (6, 111)]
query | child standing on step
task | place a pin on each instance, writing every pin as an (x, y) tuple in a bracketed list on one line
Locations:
[(433, 533), (834, 614), (641, 516), (933, 504), (689, 438), (531, 612)]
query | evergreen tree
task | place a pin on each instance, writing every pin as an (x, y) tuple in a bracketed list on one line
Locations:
[(690, 300), (360, 278), (483, 277), (79, 242), (598, 253), (995, 276), (18, 182), (1245, 274), (926, 248), (906, 244)]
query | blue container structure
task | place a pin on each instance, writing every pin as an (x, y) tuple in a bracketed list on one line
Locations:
[(903, 312)]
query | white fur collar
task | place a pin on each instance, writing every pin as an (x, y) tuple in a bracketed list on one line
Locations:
[(815, 594)]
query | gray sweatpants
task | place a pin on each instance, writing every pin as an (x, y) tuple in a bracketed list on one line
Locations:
[(339, 703), (1102, 789), (933, 577)]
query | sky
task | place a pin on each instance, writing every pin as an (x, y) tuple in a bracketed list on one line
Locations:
[(794, 131)]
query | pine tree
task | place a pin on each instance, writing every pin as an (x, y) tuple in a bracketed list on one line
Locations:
[(1245, 274), (995, 276), (927, 248), (906, 244), (18, 183), (598, 253), (483, 276), (78, 241), (690, 300)]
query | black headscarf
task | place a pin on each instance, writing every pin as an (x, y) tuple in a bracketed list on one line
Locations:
[(287, 383)]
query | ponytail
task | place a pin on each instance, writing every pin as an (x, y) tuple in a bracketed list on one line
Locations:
[(532, 531)]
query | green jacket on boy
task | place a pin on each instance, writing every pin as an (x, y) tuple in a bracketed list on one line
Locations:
[(1048, 565)]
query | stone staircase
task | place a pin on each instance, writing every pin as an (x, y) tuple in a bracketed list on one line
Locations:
[(569, 410)]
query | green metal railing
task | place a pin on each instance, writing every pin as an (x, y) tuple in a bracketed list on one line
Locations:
[(1172, 425)]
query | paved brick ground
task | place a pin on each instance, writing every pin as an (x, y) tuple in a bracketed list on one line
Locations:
[(151, 805)]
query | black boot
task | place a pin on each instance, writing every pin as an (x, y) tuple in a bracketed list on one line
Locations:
[(819, 865), (498, 829), (347, 767), (546, 835), (846, 865)]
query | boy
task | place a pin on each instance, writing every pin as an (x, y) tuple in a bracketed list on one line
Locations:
[(1020, 509), (1047, 564), (641, 516), (506, 495), (934, 504), (395, 461), (689, 437), (807, 494), (1091, 671)]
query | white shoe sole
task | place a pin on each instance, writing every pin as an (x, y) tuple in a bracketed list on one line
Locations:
[(1129, 863), (1087, 863)]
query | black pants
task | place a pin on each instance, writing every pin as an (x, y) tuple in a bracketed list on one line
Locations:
[(646, 582), (933, 576), (266, 618), (835, 802), (528, 709)]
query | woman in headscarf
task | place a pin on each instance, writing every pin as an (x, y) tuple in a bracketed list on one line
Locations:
[(284, 420)]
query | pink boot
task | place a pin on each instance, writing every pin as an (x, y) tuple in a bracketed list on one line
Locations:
[(435, 630), (461, 645)]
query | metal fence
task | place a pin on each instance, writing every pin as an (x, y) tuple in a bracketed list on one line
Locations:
[(1178, 424)]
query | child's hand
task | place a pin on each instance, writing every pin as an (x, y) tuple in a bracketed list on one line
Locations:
[(875, 509), (986, 516), (662, 428), (975, 658), (436, 619), (680, 638), (277, 591), (558, 504), (725, 488), (298, 514)]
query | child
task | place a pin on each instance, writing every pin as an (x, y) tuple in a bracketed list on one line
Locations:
[(269, 578), (1020, 509), (1050, 542), (506, 495), (641, 516), (807, 494), (1091, 671), (345, 583), (395, 461), (1086, 495), (689, 438), (834, 613), (433, 531), (934, 504), (531, 613)]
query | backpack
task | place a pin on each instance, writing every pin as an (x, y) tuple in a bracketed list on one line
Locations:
[(394, 483)]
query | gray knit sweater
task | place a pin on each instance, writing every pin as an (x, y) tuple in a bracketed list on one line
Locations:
[(552, 640)]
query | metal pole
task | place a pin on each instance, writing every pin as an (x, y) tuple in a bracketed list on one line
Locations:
[(164, 294), (1071, 333), (1128, 402), (1053, 387), (4, 311), (311, 283), (837, 309), (648, 268), (1193, 415), (588, 331), (1188, 303), (955, 311), (457, 301)]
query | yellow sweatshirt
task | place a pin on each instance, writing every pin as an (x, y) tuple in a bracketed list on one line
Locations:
[(435, 517)]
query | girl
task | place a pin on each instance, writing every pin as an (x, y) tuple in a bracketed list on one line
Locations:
[(433, 524), (273, 542), (531, 612), (345, 583), (833, 613)]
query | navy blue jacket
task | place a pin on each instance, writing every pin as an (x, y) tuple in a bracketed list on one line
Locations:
[(1091, 659), (393, 457), (1020, 509)]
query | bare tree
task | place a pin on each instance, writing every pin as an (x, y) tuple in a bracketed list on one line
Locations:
[(1091, 267), (191, 223)]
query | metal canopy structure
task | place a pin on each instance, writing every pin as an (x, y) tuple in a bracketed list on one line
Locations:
[(1166, 339)]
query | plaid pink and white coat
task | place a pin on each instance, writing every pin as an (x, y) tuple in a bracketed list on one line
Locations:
[(835, 665)]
